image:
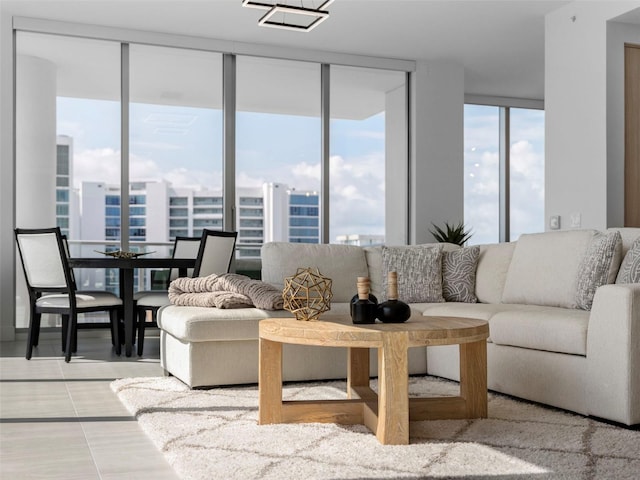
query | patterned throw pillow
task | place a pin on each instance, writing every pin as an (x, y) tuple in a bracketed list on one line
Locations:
[(419, 272), (630, 268), (598, 266), (459, 275)]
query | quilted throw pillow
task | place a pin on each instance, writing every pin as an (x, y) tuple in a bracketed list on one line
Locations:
[(598, 267), (419, 272), (459, 275), (630, 268)]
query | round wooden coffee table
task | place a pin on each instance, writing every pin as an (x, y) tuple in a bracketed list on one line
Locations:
[(387, 413)]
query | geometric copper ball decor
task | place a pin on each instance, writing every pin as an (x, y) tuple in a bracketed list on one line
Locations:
[(307, 294)]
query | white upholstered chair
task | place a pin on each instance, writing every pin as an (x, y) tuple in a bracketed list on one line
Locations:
[(216, 253), (52, 289), (152, 300)]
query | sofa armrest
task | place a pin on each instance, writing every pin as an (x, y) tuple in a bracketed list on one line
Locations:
[(613, 354)]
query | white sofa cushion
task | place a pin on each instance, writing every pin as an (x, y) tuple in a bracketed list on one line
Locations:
[(551, 329), (480, 311), (343, 264), (204, 324), (491, 274), (544, 268)]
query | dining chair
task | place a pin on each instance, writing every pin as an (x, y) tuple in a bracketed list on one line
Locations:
[(152, 300), (52, 289), (216, 252)]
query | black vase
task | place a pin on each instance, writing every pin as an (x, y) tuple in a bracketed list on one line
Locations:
[(393, 310), (364, 306), (354, 299)]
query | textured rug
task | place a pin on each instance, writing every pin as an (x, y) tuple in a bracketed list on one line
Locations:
[(213, 434)]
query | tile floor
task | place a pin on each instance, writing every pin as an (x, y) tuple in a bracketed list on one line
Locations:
[(60, 420)]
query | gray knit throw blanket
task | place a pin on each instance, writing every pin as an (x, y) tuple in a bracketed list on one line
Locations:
[(228, 290)]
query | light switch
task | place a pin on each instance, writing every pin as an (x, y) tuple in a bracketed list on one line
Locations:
[(576, 220), (554, 222)]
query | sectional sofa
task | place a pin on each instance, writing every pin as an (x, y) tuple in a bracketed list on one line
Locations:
[(564, 320)]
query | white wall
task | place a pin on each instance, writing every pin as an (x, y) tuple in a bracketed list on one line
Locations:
[(437, 166), (35, 142), (576, 142)]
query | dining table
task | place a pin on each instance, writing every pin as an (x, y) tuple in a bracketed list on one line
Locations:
[(126, 267)]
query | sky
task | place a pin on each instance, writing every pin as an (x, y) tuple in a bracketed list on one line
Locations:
[(184, 146)]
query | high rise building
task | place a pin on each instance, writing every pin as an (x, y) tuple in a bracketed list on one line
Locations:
[(66, 195), (158, 213)]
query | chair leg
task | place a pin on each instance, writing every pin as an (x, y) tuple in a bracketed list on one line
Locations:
[(74, 332), (72, 328), (34, 330), (142, 320), (65, 329), (114, 318)]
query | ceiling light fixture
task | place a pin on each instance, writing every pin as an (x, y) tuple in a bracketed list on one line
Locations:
[(289, 17)]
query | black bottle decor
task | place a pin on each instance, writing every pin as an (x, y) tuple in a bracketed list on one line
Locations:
[(393, 310), (355, 298), (363, 310)]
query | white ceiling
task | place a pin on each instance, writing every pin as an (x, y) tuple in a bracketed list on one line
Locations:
[(500, 43)]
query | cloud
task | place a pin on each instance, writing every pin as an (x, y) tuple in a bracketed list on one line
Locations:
[(482, 189), (194, 179), (96, 165), (357, 194), (356, 189), (103, 165)]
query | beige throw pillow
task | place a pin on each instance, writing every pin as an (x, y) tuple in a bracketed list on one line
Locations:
[(419, 272)]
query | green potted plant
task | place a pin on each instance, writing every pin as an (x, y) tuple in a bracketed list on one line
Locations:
[(451, 233)]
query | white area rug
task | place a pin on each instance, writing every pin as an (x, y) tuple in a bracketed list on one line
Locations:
[(213, 434)]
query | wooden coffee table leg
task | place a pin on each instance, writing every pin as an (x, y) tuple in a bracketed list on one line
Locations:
[(393, 390), (270, 382), (473, 378), (357, 369)]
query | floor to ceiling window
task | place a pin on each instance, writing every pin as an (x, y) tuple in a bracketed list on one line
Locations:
[(278, 152), (175, 159), (175, 153), (359, 137), (484, 161)]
